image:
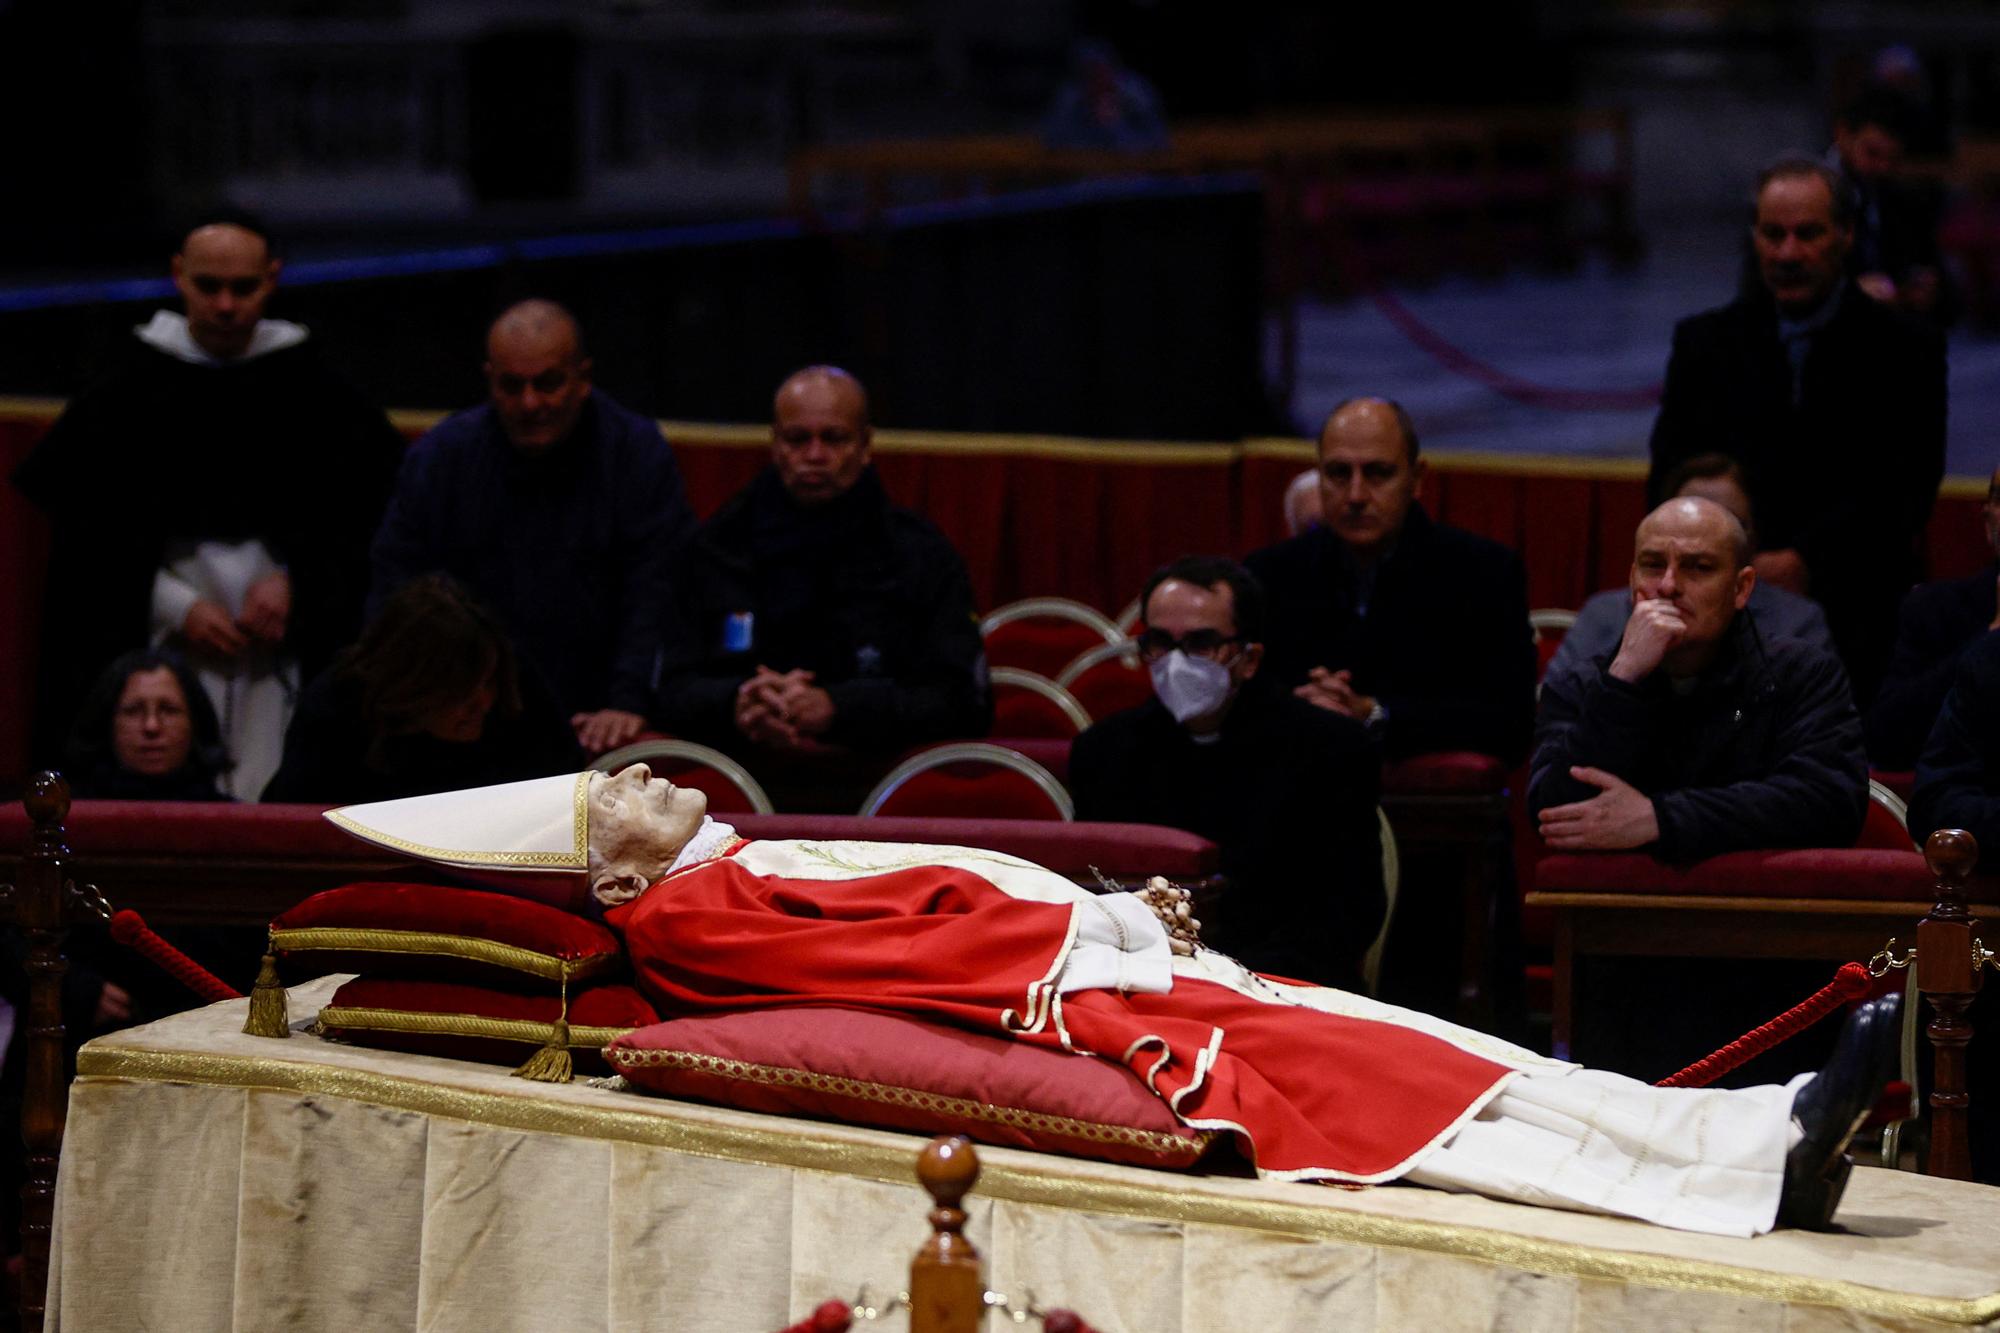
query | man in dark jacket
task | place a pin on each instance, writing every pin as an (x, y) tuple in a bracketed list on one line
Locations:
[(1698, 736), (560, 510), (1416, 630), (1222, 752), (1958, 777), (816, 616), (1833, 403), (1939, 622)]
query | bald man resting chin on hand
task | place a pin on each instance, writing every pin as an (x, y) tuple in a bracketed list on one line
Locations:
[(1697, 735)]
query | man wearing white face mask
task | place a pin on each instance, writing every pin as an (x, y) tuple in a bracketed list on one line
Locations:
[(1286, 790)]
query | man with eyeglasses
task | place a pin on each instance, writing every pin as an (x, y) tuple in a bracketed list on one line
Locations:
[(212, 492), (1939, 622), (561, 510), (1287, 791)]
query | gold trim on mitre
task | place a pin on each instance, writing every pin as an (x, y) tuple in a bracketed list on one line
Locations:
[(512, 806)]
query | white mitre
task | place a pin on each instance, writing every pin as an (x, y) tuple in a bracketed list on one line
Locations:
[(527, 838)]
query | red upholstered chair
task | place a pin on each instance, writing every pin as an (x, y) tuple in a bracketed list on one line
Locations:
[(1548, 624), (1900, 781), (729, 787), (1027, 704), (1051, 752), (1450, 808), (1044, 634), (973, 780), (1108, 679), (1371, 962), (1887, 825)]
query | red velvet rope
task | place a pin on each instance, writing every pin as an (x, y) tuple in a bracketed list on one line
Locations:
[(131, 930), (1851, 982)]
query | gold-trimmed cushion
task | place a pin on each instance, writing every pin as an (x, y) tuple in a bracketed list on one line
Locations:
[(443, 933), (896, 1072), (480, 1023)]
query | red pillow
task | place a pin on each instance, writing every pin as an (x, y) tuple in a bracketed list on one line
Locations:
[(442, 933), (870, 1068), (476, 1023)]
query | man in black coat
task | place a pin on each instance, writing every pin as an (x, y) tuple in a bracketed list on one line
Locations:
[(1958, 777), (1939, 622), (1286, 790), (561, 510), (1833, 403), (1698, 736), (816, 619), (1416, 630)]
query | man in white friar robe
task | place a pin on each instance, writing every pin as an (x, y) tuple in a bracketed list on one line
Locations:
[(212, 491)]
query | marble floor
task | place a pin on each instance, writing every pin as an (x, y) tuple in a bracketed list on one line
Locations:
[(1598, 328)]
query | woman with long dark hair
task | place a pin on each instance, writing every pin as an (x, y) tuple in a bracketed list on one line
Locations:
[(432, 697)]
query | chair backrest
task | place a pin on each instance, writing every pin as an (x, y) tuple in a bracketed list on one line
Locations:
[(1392, 875), (728, 785), (1887, 826), (1044, 634), (971, 780), (1108, 679), (1027, 704), (1548, 624), (1128, 619)]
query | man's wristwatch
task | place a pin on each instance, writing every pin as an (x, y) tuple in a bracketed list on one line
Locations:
[(1377, 720)]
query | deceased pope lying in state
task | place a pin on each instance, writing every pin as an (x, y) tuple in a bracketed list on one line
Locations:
[(1316, 1084)]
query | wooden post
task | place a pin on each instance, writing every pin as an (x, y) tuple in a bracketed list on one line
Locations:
[(947, 1288), (1948, 975), (37, 909)]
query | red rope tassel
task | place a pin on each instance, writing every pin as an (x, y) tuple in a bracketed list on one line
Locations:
[(130, 929), (1851, 982)]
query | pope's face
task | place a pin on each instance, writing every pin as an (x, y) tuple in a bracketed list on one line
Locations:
[(638, 825)]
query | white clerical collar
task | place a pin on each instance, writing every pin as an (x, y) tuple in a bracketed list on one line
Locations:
[(708, 842), (169, 333)]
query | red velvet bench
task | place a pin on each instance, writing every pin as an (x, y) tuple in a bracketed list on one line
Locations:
[(1839, 903), (244, 864)]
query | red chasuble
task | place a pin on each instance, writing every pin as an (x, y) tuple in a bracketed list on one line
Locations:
[(1311, 1094)]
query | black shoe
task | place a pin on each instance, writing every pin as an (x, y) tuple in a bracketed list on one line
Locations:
[(1832, 1106)]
